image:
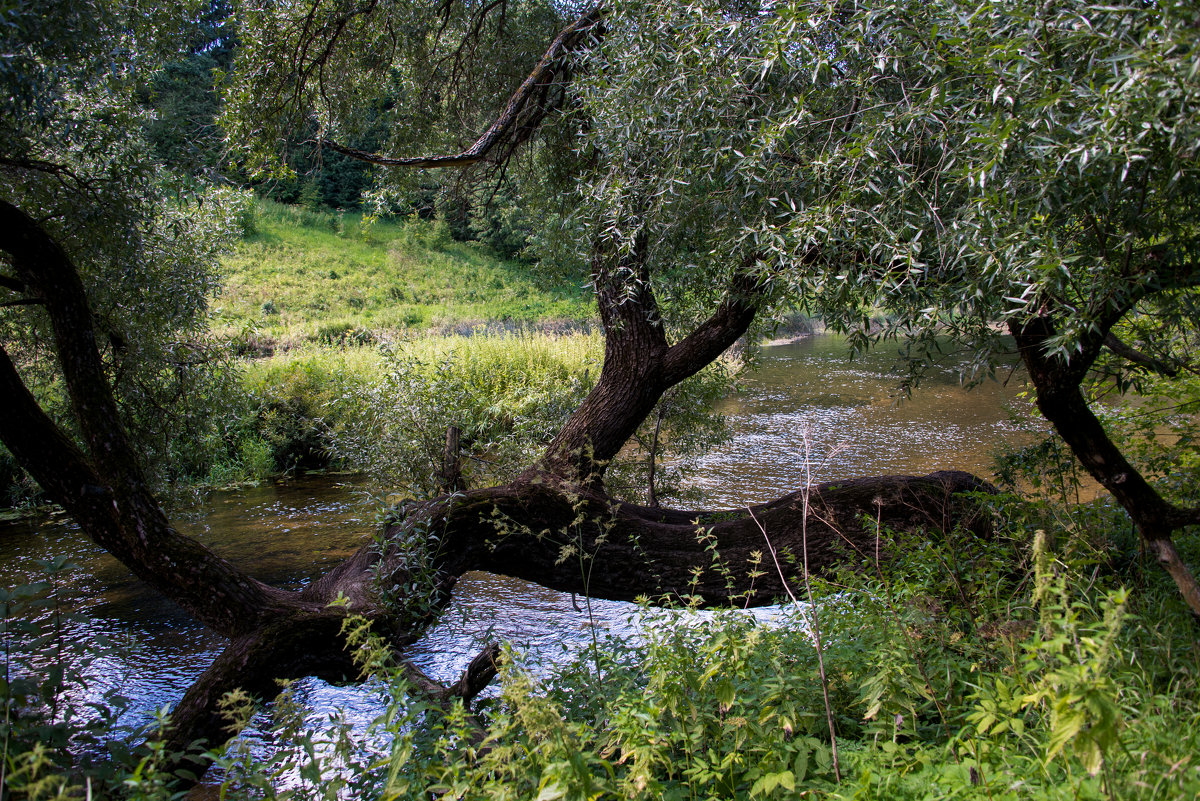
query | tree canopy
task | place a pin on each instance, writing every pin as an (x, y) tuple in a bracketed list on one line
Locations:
[(967, 169), (974, 170)]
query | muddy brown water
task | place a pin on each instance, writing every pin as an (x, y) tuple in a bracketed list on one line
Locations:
[(806, 410)]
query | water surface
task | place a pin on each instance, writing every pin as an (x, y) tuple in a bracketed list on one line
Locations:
[(807, 413)]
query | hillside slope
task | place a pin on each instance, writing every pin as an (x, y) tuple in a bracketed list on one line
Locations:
[(328, 277)]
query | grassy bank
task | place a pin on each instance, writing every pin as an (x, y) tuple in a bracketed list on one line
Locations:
[(303, 276), (384, 409)]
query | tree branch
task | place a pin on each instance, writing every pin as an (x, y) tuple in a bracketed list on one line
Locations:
[(1141, 359), (518, 115), (49, 455), (105, 487), (716, 334), (1060, 399), (474, 679), (625, 299)]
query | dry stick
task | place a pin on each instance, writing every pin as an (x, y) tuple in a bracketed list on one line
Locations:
[(475, 678), (812, 613), (812, 607), (651, 496)]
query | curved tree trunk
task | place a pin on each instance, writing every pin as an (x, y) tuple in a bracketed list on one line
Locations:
[(576, 539), (1060, 400), (554, 525)]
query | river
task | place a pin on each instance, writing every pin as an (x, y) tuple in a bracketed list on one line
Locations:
[(806, 408)]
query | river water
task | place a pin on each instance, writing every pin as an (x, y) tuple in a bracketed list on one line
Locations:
[(806, 411)]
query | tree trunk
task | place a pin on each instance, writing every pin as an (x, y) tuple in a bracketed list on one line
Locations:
[(554, 525), (612, 550), (1061, 401)]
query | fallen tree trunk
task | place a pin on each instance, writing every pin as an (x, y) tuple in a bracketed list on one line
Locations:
[(554, 525), (579, 540), (576, 539)]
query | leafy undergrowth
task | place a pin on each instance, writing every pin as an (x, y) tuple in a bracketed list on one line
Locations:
[(1046, 662), (305, 276), (386, 408), (1025, 666)]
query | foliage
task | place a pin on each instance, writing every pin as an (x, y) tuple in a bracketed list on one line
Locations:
[(1013, 667), (1157, 427), (183, 96), (989, 671), (74, 156), (17, 488), (287, 409), (961, 165), (1160, 429), (321, 268), (1044, 466), (430, 90), (673, 437), (507, 394), (956, 164)]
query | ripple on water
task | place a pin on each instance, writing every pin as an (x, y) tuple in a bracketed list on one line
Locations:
[(289, 532)]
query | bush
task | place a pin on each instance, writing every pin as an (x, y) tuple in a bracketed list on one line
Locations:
[(1009, 668), (507, 394), (293, 404), (16, 487)]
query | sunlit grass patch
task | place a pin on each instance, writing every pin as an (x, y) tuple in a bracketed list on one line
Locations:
[(299, 270)]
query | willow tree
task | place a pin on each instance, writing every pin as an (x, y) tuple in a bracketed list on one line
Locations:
[(105, 266), (1028, 169), (1031, 169)]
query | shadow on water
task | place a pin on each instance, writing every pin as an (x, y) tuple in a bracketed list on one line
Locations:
[(286, 533)]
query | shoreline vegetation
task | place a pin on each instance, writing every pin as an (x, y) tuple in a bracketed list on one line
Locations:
[(1048, 661), (315, 307), (304, 277)]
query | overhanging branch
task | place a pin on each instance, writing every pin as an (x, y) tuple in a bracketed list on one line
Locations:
[(1141, 359), (716, 334), (516, 120)]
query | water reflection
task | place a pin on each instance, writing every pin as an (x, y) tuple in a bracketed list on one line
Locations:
[(806, 403)]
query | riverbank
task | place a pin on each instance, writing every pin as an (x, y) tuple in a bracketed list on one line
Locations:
[(320, 277), (1008, 667)]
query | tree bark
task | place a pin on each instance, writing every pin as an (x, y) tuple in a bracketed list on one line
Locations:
[(554, 525), (104, 489), (639, 364), (1060, 400)]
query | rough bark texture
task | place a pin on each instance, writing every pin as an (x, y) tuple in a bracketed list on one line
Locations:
[(620, 551), (104, 489), (1060, 400), (554, 525), (639, 364)]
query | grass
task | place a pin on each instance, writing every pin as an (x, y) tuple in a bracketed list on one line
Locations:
[(323, 276), (378, 409)]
